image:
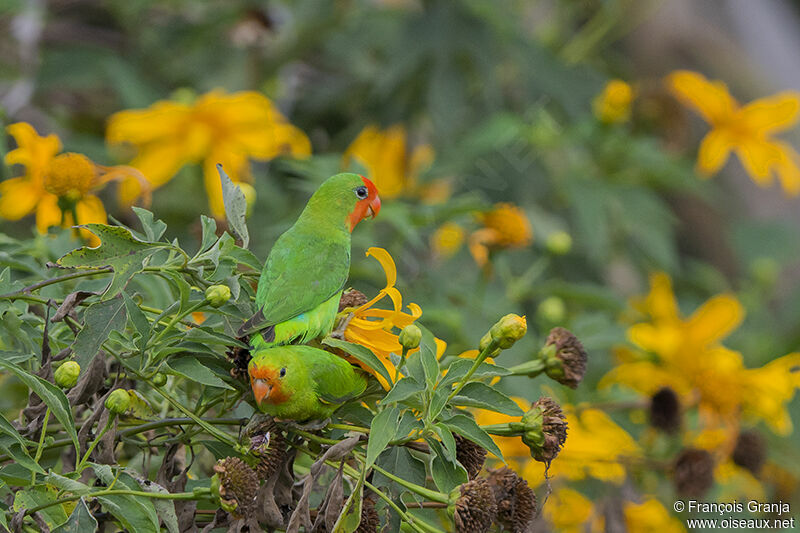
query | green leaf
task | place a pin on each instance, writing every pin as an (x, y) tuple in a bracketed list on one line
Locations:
[(207, 335), (438, 401), (401, 462), (478, 394), (403, 389), (118, 249), (135, 513), (67, 484), (154, 229), (469, 429), (427, 355), (380, 434), (164, 508), (192, 369), (219, 450), (80, 521), (51, 395), (209, 232), (99, 320), (460, 367), (8, 429), (350, 516), (361, 353), (53, 516), (19, 454), (138, 319), (446, 472), (235, 206)]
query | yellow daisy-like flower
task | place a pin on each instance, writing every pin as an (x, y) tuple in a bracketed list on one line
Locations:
[(391, 166), (614, 103), (447, 240), (650, 516), (375, 328), (569, 511), (692, 362), (216, 128), (747, 130), (505, 226), (58, 187)]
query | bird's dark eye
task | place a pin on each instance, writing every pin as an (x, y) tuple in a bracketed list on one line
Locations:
[(283, 372), (361, 192)]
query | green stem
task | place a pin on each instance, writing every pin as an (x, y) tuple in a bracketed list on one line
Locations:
[(399, 367), (167, 422), (502, 430), (79, 467), (422, 491), (196, 494), (348, 427), (59, 279), (310, 436), (478, 360), (529, 368), (175, 319), (39, 448)]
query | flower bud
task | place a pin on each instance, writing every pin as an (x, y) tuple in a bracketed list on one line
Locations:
[(217, 295), (159, 380), (410, 336), (118, 401), (545, 429), (486, 340), (509, 330), (552, 309), (559, 243), (564, 357), (67, 374)]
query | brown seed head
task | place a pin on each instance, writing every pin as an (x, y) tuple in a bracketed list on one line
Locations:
[(238, 485), (270, 449), (475, 509), (352, 298), (566, 361), (665, 410), (693, 472), (750, 451), (370, 521), (470, 455), (516, 502), (545, 429)]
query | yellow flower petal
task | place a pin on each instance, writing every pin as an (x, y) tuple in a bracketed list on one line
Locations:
[(710, 99), (714, 151), (18, 197), (660, 302), (90, 210), (387, 263), (788, 169), (771, 114), (758, 157), (33, 152), (47, 212), (714, 320)]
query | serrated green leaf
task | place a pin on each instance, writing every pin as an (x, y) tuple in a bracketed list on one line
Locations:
[(54, 515), (153, 228), (478, 394), (381, 432), (469, 429), (402, 463), (135, 513), (51, 395), (99, 320), (118, 249), (235, 206), (138, 319), (209, 233), (361, 353)]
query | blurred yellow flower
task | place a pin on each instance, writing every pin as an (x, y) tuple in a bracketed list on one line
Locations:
[(695, 365), (747, 130), (58, 187), (390, 165), (447, 240), (505, 226), (650, 517), (373, 328), (569, 511), (614, 103), (216, 128)]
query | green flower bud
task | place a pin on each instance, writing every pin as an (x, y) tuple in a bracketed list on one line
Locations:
[(410, 336), (485, 341), (66, 375), (559, 243), (552, 309), (118, 401), (545, 429), (159, 380), (217, 295), (509, 330)]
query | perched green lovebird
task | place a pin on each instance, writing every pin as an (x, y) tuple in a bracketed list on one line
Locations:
[(299, 288), (298, 382)]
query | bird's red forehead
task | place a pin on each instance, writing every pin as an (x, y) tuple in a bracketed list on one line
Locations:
[(373, 190)]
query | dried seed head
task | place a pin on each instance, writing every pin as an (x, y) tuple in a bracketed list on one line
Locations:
[(565, 357), (750, 451), (545, 429), (475, 508), (352, 299), (665, 410), (270, 449), (240, 357), (470, 455), (238, 485), (693, 472), (370, 521), (516, 502)]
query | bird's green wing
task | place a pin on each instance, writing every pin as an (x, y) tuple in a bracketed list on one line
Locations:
[(335, 380), (303, 270)]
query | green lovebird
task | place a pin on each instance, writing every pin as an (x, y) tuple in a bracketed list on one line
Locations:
[(299, 288), (298, 382)]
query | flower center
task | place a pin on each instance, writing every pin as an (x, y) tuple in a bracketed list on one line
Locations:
[(70, 175)]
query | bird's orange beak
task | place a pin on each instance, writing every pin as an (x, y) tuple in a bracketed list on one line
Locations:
[(261, 389)]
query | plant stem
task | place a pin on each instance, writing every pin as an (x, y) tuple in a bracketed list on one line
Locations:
[(41, 443), (167, 422), (93, 445), (59, 279), (529, 368), (348, 427), (399, 367), (175, 319), (197, 494), (422, 491), (478, 360)]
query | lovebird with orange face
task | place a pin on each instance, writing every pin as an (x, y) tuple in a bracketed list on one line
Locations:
[(299, 289), (302, 383)]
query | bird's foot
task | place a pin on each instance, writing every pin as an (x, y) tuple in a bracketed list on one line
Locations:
[(259, 424), (338, 333), (313, 425)]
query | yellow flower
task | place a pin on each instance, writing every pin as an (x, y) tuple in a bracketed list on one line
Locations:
[(569, 511), (374, 328), (505, 226), (58, 187), (447, 240), (614, 103), (692, 362), (650, 517), (216, 128), (595, 447), (389, 164), (747, 130)]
